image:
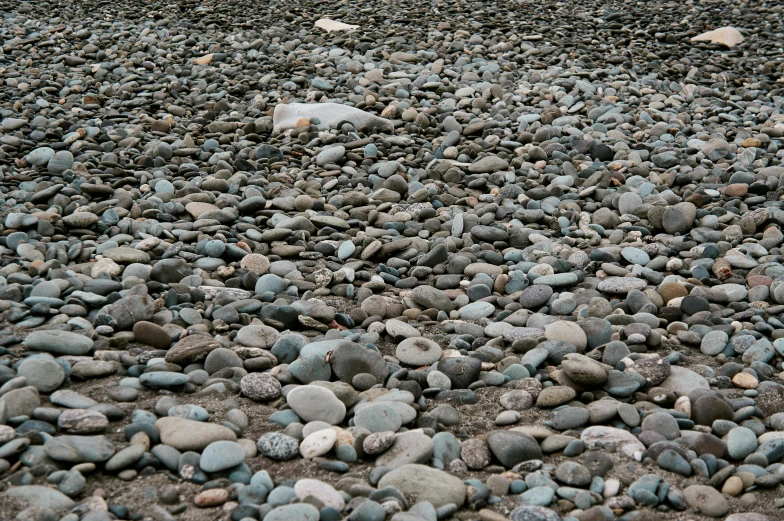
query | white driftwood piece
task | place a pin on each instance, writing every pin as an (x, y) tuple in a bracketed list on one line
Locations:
[(285, 117), (333, 25), (727, 36)]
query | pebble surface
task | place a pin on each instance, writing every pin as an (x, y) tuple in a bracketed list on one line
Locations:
[(440, 261)]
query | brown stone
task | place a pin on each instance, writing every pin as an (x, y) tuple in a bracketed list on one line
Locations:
[(745, 381), (191, 349), (710, 444), (708, 409), (736, 190), (759, 280), (203, 60), (196, 209), (671, 290), (151, 335), (211, 498)]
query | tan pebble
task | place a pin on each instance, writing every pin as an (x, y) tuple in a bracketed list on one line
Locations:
[(747, 478), (128, 475), (84, 468), (141, 438), (211, 498), (745, 381), (683, 404), (249, 447), (489, 515), (733, 486)]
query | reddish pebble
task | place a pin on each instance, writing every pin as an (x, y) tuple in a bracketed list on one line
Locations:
[(211, 498), (736, 190)]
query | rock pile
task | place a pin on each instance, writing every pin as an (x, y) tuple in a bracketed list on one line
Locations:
[(422, 264)]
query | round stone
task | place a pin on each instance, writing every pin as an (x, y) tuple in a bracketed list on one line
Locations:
[(418, 351), (568, 332), (378, 417), (260, 386), (315, 403), (221, 455), (741, 441)]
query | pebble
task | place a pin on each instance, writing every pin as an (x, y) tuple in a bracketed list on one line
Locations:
[(221, 455), (314, 403), (418, 227), (58, 342), (424, 483)]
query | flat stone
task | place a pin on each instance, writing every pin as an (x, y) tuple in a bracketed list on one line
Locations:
[(40, 496), (44, 375), (409, 447), (707, 500), (423, 483), (221, 455), (624, 440), (79, 449), (257, 336), (378, 417), (418, 351), (191, 349), (59, 342), (189, 435), (314, 403), (326, 494)]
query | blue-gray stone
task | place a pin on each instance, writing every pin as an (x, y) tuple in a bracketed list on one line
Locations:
[(635, 256), (311, 368), (346, 249), (476, 310), (281, 495), (215, 248), (446, 447), (271, 283), (557, 280), (59, 342), (79, 449), (221, 455), (674, 462), (378, 417), (541, 496), (163, 379), (741, 441), (39, 496), (189, 412)]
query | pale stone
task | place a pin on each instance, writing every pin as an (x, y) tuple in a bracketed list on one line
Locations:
[(333, 25), (727, 36)]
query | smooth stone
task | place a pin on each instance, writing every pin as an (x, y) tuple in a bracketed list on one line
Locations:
[(314, 403), (221, 455), (189, 435), (423, 483), (418, 351), (58, 342)]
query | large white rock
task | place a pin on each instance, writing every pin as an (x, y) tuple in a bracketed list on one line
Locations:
[(333, 25), (285, 117), (727, 36)]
